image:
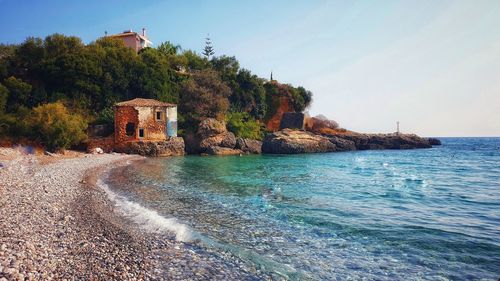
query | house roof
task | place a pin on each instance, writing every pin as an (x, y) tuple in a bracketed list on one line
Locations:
[(144, 102), (131, 33)]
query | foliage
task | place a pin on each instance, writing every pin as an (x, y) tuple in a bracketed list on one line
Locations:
[(105, 116), (4, 94), (55, 127), (204, 95), (244, 125), (90, 78), (208, 51), (19, 92), (168, 48)]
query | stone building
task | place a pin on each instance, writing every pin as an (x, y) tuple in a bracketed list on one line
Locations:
[(144, 120)]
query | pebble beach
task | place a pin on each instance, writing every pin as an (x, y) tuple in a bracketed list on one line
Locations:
[(56, 224)]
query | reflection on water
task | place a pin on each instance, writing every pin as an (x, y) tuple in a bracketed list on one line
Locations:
[(429, 214)]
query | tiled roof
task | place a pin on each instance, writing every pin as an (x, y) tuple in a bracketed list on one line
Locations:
[(123, 34), (131, 33), (144, 102)]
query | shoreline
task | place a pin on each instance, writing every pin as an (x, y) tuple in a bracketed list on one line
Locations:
[(55, 223)]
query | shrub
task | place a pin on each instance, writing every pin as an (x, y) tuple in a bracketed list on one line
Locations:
[(243, 125), (4, 94), (55, 128)]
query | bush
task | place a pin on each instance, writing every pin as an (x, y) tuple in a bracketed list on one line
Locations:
[(55, 128), (243, 125)]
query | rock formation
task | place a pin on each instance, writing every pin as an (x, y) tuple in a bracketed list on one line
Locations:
[(289, 141), (212, 138), (249, 146), (171, 147)]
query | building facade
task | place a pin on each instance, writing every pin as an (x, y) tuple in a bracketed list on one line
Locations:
[(134, 40), (144, 120)]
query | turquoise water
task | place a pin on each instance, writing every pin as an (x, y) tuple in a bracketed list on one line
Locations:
[(430, 214)]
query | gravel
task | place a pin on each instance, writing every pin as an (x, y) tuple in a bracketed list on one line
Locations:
[(56, 224)]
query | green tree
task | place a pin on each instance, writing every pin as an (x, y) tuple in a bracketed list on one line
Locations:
[(19, 93), (204, 95), (244, 125), (55, 128), (168, 48), (194, 61), (4, 95), (208, 51)]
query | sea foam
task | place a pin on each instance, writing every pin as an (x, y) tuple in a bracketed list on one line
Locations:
[(147, 219)]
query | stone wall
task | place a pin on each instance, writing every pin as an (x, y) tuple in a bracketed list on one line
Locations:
[(155, 130), (124, 115), (107, 144)]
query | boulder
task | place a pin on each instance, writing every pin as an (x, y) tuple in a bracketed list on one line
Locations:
[(342, 144), (211, 127), (229, 140), (97, 150), (434, 141), (170, 147), (290, 142), (210, 133), (249, 145), (217, 150)]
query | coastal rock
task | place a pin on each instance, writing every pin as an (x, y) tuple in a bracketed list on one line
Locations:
[(342, 144), (170, 147), (210, 133), (249, 145), (211, 127), (225, 139), (290, 142), (434, 141), (217, 150), (386, 141)]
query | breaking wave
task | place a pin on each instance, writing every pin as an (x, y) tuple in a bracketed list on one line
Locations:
[(148, 219)]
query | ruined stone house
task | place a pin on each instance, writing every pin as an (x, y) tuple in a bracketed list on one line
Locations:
[(144, 120)]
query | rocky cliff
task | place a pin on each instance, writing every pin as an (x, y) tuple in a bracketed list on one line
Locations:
[(293, 141), (213, 138)]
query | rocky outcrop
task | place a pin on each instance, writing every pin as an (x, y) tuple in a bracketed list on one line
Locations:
[(434, 141), (342, 144), (217, 150), (386, 141), (291, 142), (170, 147), (213, 138), (249, 146)]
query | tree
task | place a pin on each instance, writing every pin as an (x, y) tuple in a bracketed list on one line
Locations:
[(208, 51), (19, 92), (4, 94), (243, 125), (55, 128), (168, 48), (194, 61), (204, 95)]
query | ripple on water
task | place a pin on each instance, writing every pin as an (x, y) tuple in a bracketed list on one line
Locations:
[(385, 215)]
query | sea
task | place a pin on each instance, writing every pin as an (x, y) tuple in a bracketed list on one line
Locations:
[(422, 214)]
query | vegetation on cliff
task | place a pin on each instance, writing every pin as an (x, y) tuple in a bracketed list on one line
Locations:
[(89, 79)]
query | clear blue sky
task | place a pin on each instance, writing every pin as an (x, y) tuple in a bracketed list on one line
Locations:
[(432, 65)]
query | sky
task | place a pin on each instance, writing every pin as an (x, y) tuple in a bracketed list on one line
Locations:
[(434, 66)]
